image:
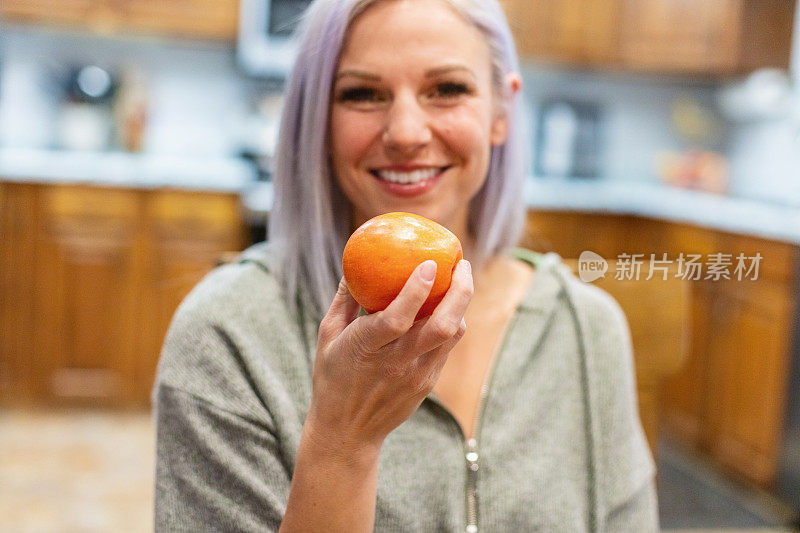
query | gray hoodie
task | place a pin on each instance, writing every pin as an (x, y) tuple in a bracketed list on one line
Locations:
[(559, 445)]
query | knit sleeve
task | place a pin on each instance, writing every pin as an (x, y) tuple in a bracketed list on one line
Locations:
[(221, 458), (637, 514), (215, 470), (623, 466), (628, 470)]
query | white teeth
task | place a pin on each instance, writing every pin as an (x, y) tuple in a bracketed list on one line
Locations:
[(407, 177)]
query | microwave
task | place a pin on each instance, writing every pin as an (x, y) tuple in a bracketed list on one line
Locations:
[(265, 46)]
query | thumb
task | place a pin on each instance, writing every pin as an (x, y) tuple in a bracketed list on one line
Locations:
[(343, 310)]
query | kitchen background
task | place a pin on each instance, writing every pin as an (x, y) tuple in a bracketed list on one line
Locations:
[(136, 141)]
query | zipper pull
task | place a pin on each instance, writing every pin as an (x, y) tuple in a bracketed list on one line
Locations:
[(471, 456)]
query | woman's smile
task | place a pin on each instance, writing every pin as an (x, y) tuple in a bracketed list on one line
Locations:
[(409, 183)]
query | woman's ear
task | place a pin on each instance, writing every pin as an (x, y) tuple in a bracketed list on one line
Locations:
[(512, 86), (499, 131), (514, 82)]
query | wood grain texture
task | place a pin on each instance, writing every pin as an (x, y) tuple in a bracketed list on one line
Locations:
[(728, 400), (215, 20), (89, 280), (712, 38)]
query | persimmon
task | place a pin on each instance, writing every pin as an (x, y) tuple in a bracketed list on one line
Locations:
[(383, 252)]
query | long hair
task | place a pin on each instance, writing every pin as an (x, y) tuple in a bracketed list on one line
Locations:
[(310, 220)]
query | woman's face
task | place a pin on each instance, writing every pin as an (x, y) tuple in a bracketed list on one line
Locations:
[(413, 113)]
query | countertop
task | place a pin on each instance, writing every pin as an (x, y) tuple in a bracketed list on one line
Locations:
[(121, 169), (652, 200)]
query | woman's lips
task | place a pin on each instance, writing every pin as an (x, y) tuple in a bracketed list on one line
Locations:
[(407, 190)]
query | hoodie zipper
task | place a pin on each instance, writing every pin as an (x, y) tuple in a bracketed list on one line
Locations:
[(472, 486), (471, 453)]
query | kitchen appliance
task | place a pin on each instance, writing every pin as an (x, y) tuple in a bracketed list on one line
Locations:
[(568, 139), (265, 46), (86, 120), (766, 94), (258, 134)]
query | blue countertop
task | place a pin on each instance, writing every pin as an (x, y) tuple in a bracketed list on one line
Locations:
[(121, 169), (653, 200), (725, 213)]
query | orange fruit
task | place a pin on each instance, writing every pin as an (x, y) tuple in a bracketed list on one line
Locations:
[(383, 252)]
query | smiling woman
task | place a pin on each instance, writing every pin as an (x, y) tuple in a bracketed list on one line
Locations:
[(511, 407), (350, 92)]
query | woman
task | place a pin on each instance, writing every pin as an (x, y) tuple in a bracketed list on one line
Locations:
[(278, 406)]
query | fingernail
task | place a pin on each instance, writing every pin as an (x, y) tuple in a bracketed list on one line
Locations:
[(428, 270), (466, 266), (463, 323)]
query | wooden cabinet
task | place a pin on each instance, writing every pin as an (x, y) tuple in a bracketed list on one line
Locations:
[(747, 358), (207, 19), (17, 259), (188, 233), (706, 37), (728, 401), (201, 19), (568, 31), (91, 280), (679, 35), (87, 283)]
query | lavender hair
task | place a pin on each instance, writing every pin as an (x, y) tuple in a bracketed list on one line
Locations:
[(311, 217)]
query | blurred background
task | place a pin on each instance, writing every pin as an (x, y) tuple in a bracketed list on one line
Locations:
[(136, 148)]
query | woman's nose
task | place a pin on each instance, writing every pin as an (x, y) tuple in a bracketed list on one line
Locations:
[(407, 125)]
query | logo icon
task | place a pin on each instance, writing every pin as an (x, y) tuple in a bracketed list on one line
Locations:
[(591, 266)]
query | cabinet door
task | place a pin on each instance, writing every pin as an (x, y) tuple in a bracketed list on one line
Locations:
[(568, 31), (102, 16), (87, 291), (17, 258), (685, 393), (205, 19), (748, 370), (766, 34), (189, 233), (202, 19), (685, 403), (682, 36)]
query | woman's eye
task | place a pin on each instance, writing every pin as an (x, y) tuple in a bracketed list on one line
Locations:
[(359, 94), (450, 90)]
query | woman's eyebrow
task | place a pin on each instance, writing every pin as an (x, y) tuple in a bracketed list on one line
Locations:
[(428, 74), (448, 68), (358, 74)]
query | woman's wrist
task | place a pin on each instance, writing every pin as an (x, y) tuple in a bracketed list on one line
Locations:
[(338, 449), (325, 470)]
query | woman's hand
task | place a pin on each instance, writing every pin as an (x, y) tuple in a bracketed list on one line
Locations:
[(373, 371)]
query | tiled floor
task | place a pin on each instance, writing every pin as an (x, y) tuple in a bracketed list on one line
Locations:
[(75, 472), (88, 472), (694, 496)]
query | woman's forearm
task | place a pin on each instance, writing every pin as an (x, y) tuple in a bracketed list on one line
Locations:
[(333, 487)]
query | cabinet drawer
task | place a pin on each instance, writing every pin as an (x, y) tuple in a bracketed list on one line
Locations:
[(204, 19), (84, 202), (77, 210), (212, 19), (200, 216), (778, 259), (102, 16)]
